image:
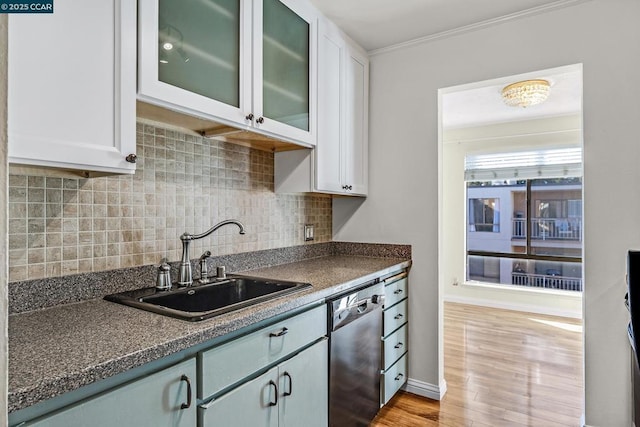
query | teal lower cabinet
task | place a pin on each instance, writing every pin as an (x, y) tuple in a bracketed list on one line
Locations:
[(162, 399), (304, 388), (394, 336), (291, 393)]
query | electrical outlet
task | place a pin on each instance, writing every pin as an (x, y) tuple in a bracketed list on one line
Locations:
[(308, 232)]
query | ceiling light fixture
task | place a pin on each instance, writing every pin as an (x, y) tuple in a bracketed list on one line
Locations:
[(526, 93)]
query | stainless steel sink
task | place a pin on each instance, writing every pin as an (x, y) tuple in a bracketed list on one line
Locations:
[(204, 301)]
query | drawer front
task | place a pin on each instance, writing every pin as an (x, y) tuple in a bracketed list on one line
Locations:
[(227, 364), (394, 317), (394, 378), (395, 292), (395, 345)]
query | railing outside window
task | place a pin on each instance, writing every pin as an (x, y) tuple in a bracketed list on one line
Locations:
[(547, 281), (548, 228)]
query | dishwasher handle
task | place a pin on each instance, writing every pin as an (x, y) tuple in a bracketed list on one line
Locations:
[(355, 310)]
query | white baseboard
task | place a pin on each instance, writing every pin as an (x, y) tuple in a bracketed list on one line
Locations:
[(538, 309), (421, 388)]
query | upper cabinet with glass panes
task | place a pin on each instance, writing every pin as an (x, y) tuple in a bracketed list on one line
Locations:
[(249, 64)]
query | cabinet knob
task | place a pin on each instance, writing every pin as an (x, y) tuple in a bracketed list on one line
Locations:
[(349, 187), (131, 158), (260, 120), (249, 116)]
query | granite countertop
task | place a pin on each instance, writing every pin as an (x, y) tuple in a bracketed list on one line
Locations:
[(62, 348)]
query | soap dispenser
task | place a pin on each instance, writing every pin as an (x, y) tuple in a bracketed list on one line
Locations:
[(163, 279)]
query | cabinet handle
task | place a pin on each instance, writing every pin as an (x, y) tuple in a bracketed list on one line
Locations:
[(131, 158), (260, 120), (188, 404), (397, 291), (398, 377), (279, 334), (399, 345), (349, 187), (288, 393), (249, 116), (275, 386), (398, 316)]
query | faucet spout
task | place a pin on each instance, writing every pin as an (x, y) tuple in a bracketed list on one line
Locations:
[(185, 277)]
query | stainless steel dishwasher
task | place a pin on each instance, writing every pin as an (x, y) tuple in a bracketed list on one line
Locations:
[(355, 360)]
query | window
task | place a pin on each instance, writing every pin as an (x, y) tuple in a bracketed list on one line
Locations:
[(537, 241), (484, 215)]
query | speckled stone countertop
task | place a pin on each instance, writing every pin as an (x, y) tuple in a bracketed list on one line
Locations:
[(62, 348)]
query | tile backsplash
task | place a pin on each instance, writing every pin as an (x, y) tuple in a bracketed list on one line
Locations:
[(60, 226)]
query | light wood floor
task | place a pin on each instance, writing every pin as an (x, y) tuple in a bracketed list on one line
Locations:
[(503, 368)]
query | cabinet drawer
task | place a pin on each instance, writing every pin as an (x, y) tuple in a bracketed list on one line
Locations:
[(394, 378), (395, 292), (225, 365), (395, 345), (394, 317)]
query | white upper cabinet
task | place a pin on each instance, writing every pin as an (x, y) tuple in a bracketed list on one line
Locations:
[(339, 163), (249, 64), (71, 87), (355, 147)]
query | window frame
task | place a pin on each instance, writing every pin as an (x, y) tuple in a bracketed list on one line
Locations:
[(527, 255)]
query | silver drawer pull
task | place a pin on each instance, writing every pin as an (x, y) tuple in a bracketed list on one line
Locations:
[(398, 316), (397, 291), (399, 345), (398, 377), (279, 334)]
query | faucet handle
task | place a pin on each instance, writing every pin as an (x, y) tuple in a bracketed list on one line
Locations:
[(163, 278)]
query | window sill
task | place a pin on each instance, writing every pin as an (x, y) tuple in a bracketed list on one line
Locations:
[(515, 288)]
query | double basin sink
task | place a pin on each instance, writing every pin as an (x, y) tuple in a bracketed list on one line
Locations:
[(201, 302)]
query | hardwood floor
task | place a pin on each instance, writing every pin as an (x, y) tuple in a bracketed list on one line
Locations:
[(503, 368)]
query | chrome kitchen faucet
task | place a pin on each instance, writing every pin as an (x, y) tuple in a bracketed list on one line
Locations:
[(185, 277)]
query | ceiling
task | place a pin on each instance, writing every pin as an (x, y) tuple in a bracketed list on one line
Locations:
[(375, 24), (481, 103)]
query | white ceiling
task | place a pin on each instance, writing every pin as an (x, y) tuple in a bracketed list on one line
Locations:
[(482, 103), (375, 24)]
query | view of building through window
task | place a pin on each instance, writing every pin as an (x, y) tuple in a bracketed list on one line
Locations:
[(525, 232)]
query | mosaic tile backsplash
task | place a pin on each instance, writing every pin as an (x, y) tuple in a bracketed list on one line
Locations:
[(60, 226)]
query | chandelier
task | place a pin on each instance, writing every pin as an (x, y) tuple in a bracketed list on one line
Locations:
[(526, 93)]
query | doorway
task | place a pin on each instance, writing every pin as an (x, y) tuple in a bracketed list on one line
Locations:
[(512, 225)]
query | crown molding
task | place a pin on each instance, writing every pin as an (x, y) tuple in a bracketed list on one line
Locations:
[(478, 25)]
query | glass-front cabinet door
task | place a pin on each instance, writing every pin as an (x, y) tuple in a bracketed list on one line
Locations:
[(246, 63), (195, 57), (284, 79)]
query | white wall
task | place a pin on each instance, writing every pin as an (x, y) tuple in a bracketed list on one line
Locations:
[(402, 207), (551, 132)]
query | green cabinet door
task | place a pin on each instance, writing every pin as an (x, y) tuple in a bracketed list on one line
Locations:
[(253, 404), (304, 388), (155, 400)]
